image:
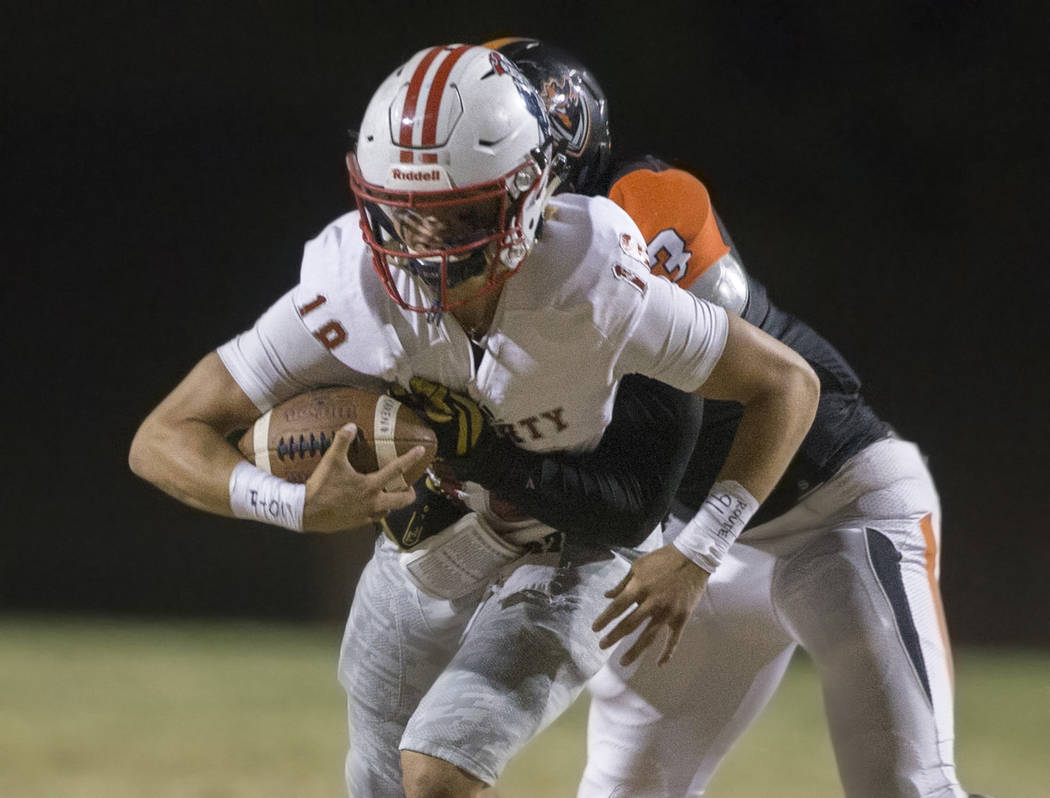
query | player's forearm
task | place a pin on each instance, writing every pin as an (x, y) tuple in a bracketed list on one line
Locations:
[(779, 394), (620, 491), (187, 460), (181, 447), (588, 500), (772, 427)]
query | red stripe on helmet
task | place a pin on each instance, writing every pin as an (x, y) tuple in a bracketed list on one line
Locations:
[(437, 91), (408, 113)]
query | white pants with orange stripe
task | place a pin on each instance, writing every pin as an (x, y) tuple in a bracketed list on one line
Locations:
[(850, 575)]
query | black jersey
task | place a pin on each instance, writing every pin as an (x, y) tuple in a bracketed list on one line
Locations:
[(687, 239), (844, 423)]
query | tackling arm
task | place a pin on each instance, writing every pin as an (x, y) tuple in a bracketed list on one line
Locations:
[(619, 492), (614, 495)]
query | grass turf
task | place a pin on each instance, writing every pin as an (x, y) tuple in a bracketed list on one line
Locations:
[(96, 708)]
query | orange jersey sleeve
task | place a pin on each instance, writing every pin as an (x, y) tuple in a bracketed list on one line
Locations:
[(673, 211)]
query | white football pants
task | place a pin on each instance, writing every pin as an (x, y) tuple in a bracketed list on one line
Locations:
[(850, 575), (468, 681)]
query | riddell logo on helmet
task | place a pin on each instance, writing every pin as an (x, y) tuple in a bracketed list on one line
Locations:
[(419, 175)]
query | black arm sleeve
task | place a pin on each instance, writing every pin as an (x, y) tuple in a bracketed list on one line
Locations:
[(617, 493)]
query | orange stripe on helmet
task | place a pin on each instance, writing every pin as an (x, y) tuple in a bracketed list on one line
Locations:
[(929, 536), (496, 44), (408, 113), (437, 90)]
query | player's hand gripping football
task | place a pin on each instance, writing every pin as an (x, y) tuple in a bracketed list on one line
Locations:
[(339, 497), (464, 435), (666, 586)]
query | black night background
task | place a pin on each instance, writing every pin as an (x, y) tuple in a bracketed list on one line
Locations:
[(881, 166)]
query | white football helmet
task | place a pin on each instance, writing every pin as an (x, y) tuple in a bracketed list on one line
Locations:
[(451, 170)]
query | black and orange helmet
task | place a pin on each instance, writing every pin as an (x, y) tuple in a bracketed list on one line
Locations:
[(577, 107)]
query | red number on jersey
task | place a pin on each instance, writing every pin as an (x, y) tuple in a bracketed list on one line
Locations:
[(332, 333)]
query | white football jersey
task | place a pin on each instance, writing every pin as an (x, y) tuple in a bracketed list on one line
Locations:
[(582, 312)]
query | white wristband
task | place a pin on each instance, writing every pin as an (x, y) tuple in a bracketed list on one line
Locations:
[(720, 520), (263, 497)]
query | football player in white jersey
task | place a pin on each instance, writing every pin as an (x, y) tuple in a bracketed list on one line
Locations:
[(451, 667), (842, 559)]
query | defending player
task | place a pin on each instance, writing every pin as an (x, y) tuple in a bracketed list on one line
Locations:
[(450, 173), (842, 559)]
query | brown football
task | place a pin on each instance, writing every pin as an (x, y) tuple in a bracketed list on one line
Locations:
[(288, 441)]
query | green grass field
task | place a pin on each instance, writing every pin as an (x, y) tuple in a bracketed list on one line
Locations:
[(98, 708)]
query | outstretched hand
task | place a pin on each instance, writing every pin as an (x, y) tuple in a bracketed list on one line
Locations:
[(339, 497), (666, 586)]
